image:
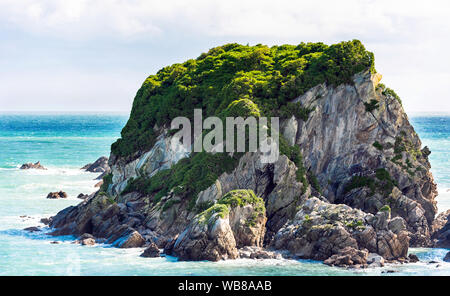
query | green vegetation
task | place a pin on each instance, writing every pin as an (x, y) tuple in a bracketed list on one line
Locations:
[(270, 77), (294, 154), (378, 146), (372, 105), (314, 182), (169, 204), (382, 182), (360, 181), (385, 208), (386, 91), (186, 178), (107, 180), (234, 198), (295, 109), (220, 209), (243, 197)]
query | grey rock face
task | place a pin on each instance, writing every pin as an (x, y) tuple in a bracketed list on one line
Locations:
[(30, 165), (337, 144)]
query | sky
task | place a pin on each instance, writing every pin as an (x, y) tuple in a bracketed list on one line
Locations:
[(93, 55)]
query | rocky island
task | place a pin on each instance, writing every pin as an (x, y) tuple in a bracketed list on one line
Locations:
[(352, 186)]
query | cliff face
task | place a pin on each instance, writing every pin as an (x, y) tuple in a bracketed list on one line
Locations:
[(368, 158), (363, 182)]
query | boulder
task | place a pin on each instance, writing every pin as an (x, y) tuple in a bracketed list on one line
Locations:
[(87, 242), (131, 240), (151, 251), (413, 258), (99, 166), (375, 260), (347, 257), (82, 196), (57, 195), (37, 165), (208, 237)]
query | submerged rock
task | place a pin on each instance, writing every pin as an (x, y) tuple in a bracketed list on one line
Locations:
[(32, 229), (37, 165), (57, 195)]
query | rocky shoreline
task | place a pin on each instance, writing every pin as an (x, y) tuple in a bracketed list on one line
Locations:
[(359, 195)]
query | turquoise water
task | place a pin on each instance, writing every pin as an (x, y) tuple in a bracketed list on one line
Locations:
[(64, 143)]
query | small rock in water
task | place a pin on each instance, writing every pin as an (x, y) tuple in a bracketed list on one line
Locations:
[(151, 251), (88, 242), (32, 229), (54, 242), (45, 221), (37, 165), (82, 196), (56, 195), (389, 271), (375, 260), (413, 258)]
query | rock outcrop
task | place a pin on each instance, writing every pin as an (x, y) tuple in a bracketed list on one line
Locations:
[(57, 195), (237, 220), (101, 217), (30, 165), (441, 230), (321, 230), (151, 251), (99, 166)]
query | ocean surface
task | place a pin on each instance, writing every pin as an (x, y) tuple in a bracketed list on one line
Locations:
[(65, 142)]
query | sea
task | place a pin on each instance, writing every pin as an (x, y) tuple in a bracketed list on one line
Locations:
[(64, 142)]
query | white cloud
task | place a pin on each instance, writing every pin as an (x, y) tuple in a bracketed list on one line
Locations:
[(409, 38)]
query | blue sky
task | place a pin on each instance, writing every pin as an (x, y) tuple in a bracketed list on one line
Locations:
[(80, 55)]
